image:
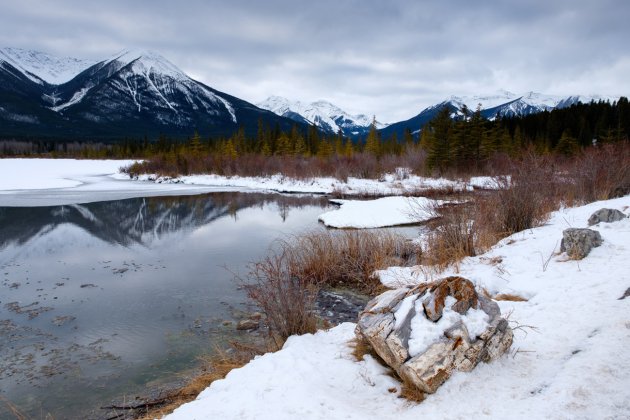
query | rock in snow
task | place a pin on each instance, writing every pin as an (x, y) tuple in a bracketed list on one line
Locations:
[(605, 216), (578, 242), (427, 332)]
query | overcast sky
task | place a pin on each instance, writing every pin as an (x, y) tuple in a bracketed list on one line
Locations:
[(389, 58)]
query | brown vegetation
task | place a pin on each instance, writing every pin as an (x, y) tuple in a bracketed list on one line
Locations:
[(284, 285), (213, 368)]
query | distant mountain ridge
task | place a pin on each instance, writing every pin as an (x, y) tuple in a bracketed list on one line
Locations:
[(323, 114), (133, 93), (501, 104), (136, 93)]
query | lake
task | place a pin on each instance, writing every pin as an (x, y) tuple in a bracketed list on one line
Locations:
[(102, 301)]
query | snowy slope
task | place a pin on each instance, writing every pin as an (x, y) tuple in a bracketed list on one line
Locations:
[(42, 67), (569, 359), (152, 83), (323, 114), (506, 103)]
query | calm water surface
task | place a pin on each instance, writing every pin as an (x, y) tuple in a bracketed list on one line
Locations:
[(101, 301)]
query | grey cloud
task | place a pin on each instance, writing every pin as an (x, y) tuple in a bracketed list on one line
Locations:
[(385, 58)]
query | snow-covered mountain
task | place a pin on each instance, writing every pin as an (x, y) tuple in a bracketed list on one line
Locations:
[(505, 103), (322, 114), (500, 104), (41, 67), (133, 93), (142, 83)]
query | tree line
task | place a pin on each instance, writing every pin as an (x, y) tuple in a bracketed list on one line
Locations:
[(462, 142)]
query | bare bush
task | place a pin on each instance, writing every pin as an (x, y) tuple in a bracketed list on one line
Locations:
[(452, 236), (284, 295), (599, 173), (524, 199), (350, 257)]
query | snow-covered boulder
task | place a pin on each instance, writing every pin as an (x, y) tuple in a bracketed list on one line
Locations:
[(578, 242), (605, 216), (426, 332)]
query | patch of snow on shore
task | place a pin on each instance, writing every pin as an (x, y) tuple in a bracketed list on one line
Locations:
[(382, 212), (31, 174), (389, 184)]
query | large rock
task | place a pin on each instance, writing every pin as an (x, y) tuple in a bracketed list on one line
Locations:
[(426, 332), (578, 242), (605, 216)]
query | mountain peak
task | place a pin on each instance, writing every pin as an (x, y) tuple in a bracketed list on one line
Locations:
[(147, 61), (43, 67), (321, 113)]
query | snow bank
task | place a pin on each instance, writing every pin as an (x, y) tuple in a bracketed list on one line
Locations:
[(29, 174), (388, 211), (390, 184), (569, 360), (48, 182)]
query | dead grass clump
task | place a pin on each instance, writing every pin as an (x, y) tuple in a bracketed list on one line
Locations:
[(361, 347), (509, 297), (348, 258), (214, 368), (411, 392)]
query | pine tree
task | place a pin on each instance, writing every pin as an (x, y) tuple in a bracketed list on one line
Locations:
[(195, 144), (567, 145), (438, 139), (283, 145), (372, 143)]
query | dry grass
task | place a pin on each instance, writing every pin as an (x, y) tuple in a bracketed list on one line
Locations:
[(13, 410), (348, 258), (361, 347), (214, 368), (284, 284), (411, 393), (509, 297), (599, 173), (284, 294)]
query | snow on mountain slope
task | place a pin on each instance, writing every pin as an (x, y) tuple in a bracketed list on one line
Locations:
[(508, 103), (42, 67), (152, 84), (321, 113)]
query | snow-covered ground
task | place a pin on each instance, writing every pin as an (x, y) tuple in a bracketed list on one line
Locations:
[(47, 182), (382, 212), (569, 359), (40, 182), (390, 184)]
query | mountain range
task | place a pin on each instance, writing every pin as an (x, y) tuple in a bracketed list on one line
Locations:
[(500, 104), (328, 117), (139, 93), (133, 93)]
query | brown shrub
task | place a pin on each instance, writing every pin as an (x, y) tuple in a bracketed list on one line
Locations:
[(524, 199), (452, 236), (284, 285), (349, 257), (284, 295), (599, 173)]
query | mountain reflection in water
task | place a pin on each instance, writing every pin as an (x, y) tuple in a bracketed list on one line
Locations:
[(102, 301), (140, 220)]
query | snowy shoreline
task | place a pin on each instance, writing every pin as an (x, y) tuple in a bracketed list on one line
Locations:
[(568, 360), (46, 182)]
